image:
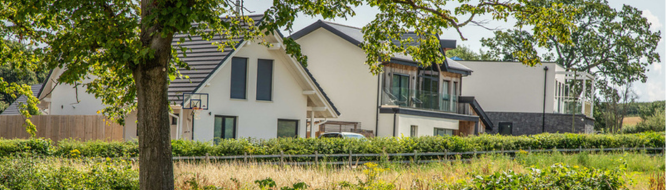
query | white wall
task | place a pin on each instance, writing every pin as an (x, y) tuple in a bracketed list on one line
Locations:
[(256, 119), (338, 66), (510, 86), (426, 125), (64, 96)]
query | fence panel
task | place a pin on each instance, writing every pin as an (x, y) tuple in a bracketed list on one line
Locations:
[(58, 127)]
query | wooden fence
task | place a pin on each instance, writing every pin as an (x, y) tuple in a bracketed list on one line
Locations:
[(58, 127)]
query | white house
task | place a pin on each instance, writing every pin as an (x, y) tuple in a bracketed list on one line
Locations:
[(404, 100), (528, 100), (253, 91)]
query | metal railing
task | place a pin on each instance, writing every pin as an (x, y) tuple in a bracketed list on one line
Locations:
[(415, 157), (420, 99)]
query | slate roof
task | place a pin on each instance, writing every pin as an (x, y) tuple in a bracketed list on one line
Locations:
[(355, 36), (203, 58), (13, 108)]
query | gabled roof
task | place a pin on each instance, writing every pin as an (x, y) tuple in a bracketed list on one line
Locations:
[(205, 59), (13, 108), (355, 36)]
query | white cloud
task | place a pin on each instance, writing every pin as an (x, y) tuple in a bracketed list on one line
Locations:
[(657, 67), (654, 20), (655, 91)]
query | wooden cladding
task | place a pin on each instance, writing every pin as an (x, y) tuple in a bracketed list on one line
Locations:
[(58, 127)]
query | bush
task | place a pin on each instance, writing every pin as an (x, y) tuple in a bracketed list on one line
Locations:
[(653, 122), (25, 147), (294, 146), (557, 176), (26, 173)]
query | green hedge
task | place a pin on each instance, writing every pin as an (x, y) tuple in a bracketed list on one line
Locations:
[(28, 173), (293, 146)]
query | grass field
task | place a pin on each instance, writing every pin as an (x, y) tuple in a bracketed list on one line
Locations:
[(631, 121), (638, 170)]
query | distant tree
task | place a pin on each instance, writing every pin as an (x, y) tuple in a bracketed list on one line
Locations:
[(613, 45), (465, 53)]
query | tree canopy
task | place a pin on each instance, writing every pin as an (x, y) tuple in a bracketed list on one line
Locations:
[(616, 45), (125, 45), (467, 54)]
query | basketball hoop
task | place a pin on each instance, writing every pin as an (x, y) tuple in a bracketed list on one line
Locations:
[(196, 102)]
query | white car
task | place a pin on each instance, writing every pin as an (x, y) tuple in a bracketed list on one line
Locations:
[(345, 135)]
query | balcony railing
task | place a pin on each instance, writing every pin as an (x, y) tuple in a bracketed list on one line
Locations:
[(420, 99), (570, 107)]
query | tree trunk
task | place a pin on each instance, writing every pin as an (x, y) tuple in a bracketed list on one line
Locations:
[(151, 79)]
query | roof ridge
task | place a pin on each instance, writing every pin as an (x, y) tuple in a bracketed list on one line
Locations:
[(330, 22)]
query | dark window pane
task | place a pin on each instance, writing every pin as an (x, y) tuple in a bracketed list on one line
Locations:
[(225, 128), (217, 133), (287, 128), (264, 79), (238, 77), (229, 127)]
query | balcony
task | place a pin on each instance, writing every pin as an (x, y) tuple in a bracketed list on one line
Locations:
[(420, 99)]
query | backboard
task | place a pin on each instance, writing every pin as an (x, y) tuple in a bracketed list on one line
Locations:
[(197, 101)]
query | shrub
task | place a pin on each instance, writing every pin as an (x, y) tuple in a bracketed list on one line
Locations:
[(26, 173), (97, 148), (557, 176), (25, 147), (295, 146)]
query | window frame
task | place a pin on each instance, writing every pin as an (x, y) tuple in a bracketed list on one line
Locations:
[(434, 133), (235, 127), (413, 131), (271, 86), (278, 127), (231, 86)]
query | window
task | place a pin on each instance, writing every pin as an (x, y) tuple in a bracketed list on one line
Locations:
[(287, 128), (455, 89), (174, 120), (442, 132), (400, 88), (225, 127), (264, 79), (238, 77), (413, 131), (505, 128), (445, 96)]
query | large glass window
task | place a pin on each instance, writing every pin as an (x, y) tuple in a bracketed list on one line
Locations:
[(287, 128), (225, 127), (446, 97), (238, 77), (443, 132), (400, 88), (429, 92), (264, 79)]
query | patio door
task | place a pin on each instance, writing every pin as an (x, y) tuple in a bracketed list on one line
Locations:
[(225, 127), (400, 89)]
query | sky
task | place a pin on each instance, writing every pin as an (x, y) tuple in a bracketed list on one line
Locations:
[(654, 10)]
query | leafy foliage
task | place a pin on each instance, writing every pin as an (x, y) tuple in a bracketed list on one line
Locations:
[(557, 176), (27, 173), (466, 54), (617, 43), (295, 146)]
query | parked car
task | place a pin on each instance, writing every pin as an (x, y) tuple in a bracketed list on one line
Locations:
[(345, 135)]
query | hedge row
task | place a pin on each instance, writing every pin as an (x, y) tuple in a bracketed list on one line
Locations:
[(294, 146)]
